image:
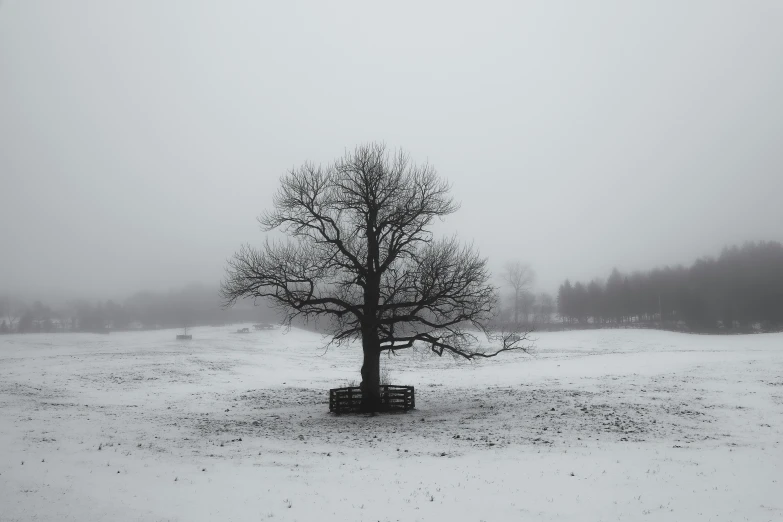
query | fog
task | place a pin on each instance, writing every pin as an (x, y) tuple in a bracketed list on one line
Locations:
[(140, 140)]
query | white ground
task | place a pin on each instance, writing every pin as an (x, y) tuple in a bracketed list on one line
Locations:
[(599, 425)]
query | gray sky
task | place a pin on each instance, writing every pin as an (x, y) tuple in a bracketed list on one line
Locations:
[(139, 140)]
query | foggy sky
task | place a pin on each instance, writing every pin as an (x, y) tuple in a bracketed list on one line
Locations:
[(140, 140)]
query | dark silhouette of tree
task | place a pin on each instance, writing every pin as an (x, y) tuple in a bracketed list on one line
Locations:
[(117, 315), (361, 256), (579, 297), (519, 277), (614, 296), (25, 324), (11, 308), (565, 301), (596, 302), (4, 327), (545, 306), (740, 289)]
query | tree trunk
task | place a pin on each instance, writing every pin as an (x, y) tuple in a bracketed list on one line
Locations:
[(371, 379), (371, 344)]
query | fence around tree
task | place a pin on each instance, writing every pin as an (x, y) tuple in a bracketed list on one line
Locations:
[(393, 398)]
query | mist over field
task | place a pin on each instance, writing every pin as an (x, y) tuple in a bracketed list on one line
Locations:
[(411, 261), (141, 141)]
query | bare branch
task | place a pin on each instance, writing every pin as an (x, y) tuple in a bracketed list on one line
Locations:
[(362, 257)]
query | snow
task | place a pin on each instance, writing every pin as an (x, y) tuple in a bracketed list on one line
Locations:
[(597, 425)]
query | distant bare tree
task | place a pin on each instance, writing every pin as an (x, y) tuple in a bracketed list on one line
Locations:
[(4, 328), (362, 256), (11, 308), (545, 307), (527, 301), (520, 277)]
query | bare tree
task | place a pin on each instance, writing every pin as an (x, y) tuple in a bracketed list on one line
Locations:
[(545, 307), (361, 255), (12, 309), (4, 327), (527, 301), (520, 277)]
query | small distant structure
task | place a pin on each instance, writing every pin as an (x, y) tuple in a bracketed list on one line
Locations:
[(243, 330), (263, 326), (184, 336)]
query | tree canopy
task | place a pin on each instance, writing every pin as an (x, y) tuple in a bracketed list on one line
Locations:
[(362, 256)]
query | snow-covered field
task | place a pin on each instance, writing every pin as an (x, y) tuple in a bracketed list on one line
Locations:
[(598, 425)]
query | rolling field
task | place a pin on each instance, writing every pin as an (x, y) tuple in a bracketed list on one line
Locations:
[(595, 426)]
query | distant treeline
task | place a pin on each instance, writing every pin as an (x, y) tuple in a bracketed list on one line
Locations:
[(742, 289), (193, 305)]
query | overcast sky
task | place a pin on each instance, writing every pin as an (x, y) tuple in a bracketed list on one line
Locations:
[(140, 140)]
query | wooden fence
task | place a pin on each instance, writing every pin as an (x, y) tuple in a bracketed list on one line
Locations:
[(393, 398)]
